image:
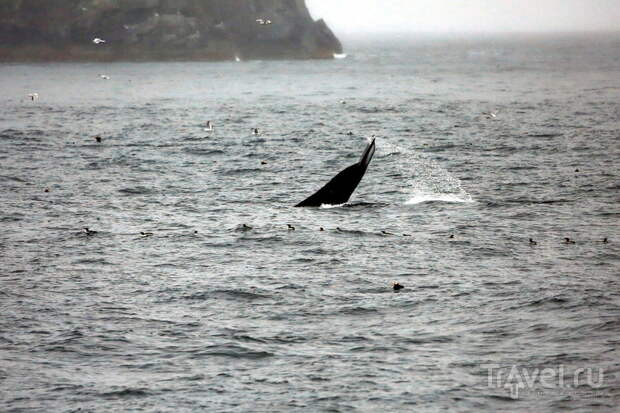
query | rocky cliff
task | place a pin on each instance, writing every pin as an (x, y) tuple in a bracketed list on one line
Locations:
[(56, 30)]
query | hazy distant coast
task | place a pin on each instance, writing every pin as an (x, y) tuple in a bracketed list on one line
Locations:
[(31, 30)]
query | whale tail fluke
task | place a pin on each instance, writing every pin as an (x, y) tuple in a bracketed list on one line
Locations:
[(368, 154), (339, 189)]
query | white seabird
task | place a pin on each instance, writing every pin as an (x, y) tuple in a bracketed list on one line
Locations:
[(104, 77), (263, 21), (97, 40), (209, 126)]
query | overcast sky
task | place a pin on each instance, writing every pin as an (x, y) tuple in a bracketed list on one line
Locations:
[(352, 16)]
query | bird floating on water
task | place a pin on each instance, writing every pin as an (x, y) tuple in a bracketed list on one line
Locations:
[(290, 227), (397, 286), (97, 40), (532, 242), (104, 77), (209, 126), (33, 96), (568, 241), (255, 131), (263, 21), (89, 232), (145, 234), (98, 139)]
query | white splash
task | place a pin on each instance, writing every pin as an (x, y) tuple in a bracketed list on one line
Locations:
[(340, 55), (422, 197), (329, 206), (424, 179)]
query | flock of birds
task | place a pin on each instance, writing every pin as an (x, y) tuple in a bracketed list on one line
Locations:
[(396, 286), (99, 41), (209, 127)]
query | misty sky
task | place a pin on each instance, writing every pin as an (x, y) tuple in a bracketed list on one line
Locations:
[(350, 16)]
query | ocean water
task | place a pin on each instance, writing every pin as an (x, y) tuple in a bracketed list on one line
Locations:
[(209, 315)]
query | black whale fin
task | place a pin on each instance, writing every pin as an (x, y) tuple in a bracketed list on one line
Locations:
[(339, 189)]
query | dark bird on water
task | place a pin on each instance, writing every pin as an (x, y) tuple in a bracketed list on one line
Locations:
[(568, 241), (98, 139), (605, 241), (290, 227), (146, 234), (397, 286), (323, 229), (532, 242), (451, 236), (89, 232)]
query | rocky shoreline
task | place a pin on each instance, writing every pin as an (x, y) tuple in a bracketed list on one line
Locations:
[(143, 30)]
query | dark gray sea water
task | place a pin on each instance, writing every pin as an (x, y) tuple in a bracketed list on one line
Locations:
[(207, 315)]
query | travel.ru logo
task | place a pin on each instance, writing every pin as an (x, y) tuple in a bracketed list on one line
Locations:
[(515, 378)]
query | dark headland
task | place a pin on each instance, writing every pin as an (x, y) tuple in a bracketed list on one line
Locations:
[(135, 30)]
